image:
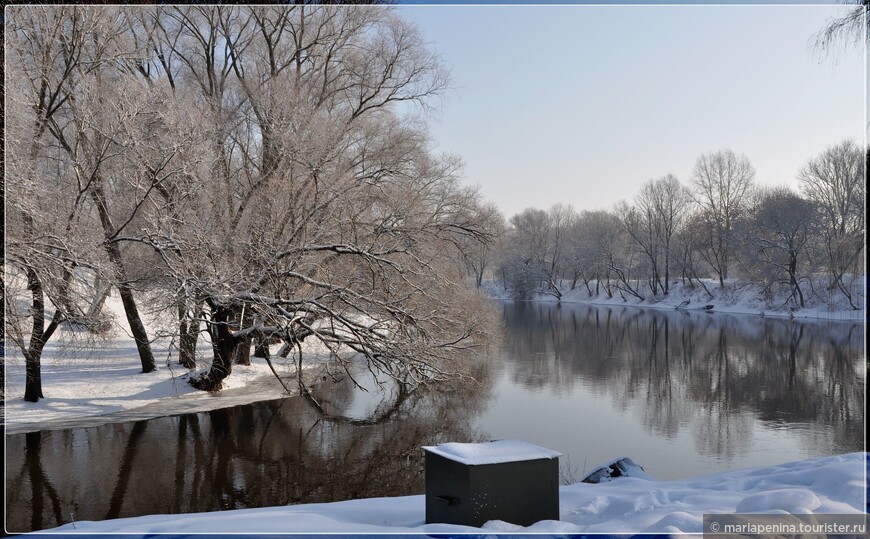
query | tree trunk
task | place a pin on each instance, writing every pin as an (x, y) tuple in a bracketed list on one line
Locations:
[(137, 328), (667, 288), (792, 275), (188, 331), (97, 306), (225, 346), (39, 335), (130, 309), (243, 352), (33, 379), (262, 348)]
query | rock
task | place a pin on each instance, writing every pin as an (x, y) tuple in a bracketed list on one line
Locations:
[(621, 467)]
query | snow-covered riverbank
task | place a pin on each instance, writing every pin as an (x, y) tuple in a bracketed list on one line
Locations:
[(735, 298), (623, 506), (89, 383), (92, 381)]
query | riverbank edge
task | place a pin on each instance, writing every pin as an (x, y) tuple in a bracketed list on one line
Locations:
[(745, 304), (834, 484), (263, 388), (266, 387)]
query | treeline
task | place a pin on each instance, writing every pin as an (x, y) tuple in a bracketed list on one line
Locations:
[(721, 225), (245, 170)]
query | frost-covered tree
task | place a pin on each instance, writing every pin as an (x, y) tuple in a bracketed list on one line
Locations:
[(268, 168), (480, 256), (582, 258), (526, 252), (538, 250), (687, 245), (72, 60), (651, 223), (777, 236), (52, 270), (722, 182), (834, 180), (561, 219), (317, 210), (610, 248)]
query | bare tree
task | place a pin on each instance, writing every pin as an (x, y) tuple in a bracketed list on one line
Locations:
[(561, 223), (478, 255), (538, 248), (834, 180), (721, 181), (319, 212), (849, 28), (70, 58), (652, 221), (670, 202), (581, 256), (257, 160), (688, 241), (527, 252), (610, 248), (51, 265), (778, 233)]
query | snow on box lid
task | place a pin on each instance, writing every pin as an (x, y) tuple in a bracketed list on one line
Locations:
[(494, 452)]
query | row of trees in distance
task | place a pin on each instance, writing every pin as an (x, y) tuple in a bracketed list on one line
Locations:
[(721, 225)]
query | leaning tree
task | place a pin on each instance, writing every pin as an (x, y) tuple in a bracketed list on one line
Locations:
[(315, 210)]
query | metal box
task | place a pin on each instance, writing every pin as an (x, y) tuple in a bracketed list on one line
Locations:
[(507, 480)]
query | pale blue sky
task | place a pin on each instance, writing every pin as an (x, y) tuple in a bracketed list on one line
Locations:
[(582, 104)]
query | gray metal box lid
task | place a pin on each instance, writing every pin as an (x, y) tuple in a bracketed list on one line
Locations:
[(494, 452)]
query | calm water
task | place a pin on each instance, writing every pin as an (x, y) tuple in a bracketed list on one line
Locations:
[(681, 393)]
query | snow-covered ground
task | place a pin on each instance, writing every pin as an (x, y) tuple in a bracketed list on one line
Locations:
[(734, 298), (90, 381), (622, 506)]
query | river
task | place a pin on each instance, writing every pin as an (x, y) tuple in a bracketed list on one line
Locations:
[(681, 393)]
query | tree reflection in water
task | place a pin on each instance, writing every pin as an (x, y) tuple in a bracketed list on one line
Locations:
[(714, 373), (711, 386), (265, 454)]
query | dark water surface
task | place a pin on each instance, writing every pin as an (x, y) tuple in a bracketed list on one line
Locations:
[(681, 393)]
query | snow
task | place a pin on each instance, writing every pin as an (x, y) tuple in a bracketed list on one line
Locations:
[(493, 452), (787, 499), (88, 381), (626, 505), (735, 298)]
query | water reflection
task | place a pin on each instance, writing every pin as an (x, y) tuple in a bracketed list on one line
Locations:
[(270, 453), (718, 376), (682, 393)]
